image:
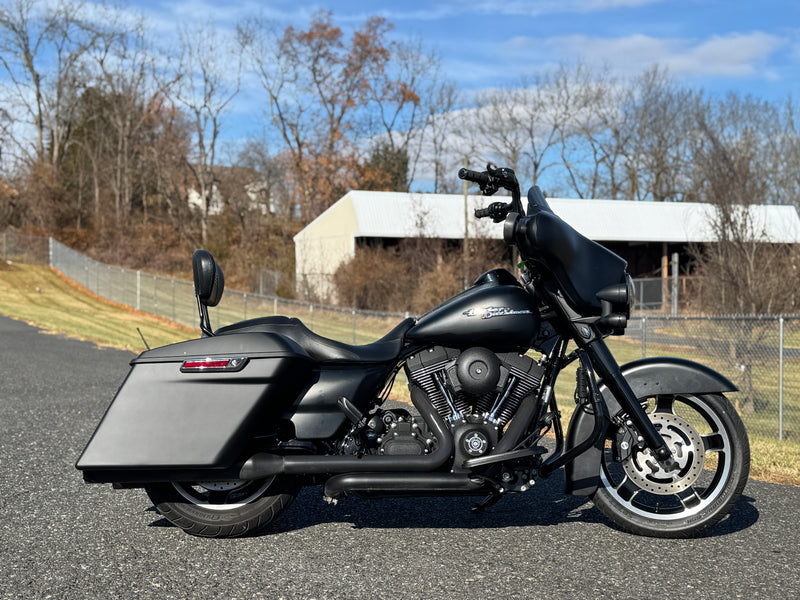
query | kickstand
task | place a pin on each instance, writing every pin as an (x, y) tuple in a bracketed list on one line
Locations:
[(490, 500)]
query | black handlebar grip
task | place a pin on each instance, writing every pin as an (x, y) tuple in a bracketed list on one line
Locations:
[(479, 178), (497, 210)]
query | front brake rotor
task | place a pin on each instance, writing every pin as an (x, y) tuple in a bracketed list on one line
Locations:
[(687, 449)]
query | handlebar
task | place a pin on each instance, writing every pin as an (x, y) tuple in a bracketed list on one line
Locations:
[(480, 178), (490, 181)]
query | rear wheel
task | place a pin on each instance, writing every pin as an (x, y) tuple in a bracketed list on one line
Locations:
[(709, 443), (222, 509)]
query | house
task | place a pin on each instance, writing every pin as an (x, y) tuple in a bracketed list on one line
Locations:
[(243, 188)]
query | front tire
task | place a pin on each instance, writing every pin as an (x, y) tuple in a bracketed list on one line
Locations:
[(708, 441), (223, 509)]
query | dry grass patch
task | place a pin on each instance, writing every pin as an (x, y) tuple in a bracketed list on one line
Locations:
[(42, 297)]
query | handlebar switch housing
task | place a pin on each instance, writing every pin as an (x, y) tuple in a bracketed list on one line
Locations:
[(510, 228)]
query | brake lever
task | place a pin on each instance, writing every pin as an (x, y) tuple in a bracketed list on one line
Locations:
[(501, 176), (490, 188)]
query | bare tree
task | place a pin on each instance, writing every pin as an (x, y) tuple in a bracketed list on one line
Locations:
[(499, 124), (744, 270), (523, 127), (781, 132), (660, 135), (403, 92), (42, 49), (166, 141), (6, 138), (91, 139), (593, 140), (255, 154), (126, 73), (209, 74), (439, 125)]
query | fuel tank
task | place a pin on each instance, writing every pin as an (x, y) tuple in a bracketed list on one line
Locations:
[(495, 313)]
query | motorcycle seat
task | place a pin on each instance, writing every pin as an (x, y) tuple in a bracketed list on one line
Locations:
[(324, 349)]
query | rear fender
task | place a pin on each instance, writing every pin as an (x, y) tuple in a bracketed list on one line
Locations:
[(647, 377)]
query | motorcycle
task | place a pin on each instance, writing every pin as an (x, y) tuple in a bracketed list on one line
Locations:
[(223, 431)]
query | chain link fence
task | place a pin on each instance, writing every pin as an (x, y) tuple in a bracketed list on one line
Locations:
[(174, 299), (27, 249), (666, 295), (761, 355)]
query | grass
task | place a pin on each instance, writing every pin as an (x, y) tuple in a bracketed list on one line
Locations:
[(41, 297)]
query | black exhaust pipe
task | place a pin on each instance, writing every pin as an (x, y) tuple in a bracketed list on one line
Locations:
[(411, 484), (265, 464)]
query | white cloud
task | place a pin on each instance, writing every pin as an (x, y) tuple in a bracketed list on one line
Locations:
[(526, 8), (734, 55)]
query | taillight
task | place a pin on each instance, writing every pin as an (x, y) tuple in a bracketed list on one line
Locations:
[(214, 365)]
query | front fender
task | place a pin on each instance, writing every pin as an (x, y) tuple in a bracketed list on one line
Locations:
[(647, 377), (667, 375)]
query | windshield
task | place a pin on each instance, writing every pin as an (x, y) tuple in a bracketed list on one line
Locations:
[(536, 201)]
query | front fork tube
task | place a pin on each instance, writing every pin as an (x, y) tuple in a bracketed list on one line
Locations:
[(607, 368)]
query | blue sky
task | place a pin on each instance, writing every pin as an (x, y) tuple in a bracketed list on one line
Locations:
[(718, 45)]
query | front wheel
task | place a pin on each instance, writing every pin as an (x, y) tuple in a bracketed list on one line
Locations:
[(223, 509), (709, 443)]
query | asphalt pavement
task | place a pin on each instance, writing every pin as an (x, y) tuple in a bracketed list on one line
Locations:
[(61, 538)]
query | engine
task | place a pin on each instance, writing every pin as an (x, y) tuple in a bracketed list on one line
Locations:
[(476, 391), (390, 432), (474, 383)]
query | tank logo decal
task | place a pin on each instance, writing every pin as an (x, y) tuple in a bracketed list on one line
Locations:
[(487, 312)]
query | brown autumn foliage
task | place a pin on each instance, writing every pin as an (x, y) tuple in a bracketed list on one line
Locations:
[(9, 201), (376, 278), (326, 90), (415, 275), (435, 286)]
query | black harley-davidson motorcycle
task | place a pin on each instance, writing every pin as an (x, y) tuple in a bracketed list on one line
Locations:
[(224, 430)]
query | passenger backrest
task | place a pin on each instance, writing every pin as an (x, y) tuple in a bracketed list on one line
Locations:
[(209, 282)]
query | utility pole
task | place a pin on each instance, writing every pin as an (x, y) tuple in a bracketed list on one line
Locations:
[(675, 265), (465, 247)]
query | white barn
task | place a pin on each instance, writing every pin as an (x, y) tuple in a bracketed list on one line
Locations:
[(652, 229)]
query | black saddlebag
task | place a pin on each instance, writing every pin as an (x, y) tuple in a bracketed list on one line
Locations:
[(194, 405)]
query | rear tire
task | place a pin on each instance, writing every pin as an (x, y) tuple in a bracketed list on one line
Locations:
[(223, 509), (709, 442)]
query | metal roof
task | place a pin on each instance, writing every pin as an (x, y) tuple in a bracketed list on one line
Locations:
[(396, 214)]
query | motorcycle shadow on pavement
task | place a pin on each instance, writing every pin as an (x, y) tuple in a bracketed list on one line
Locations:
[(545, 505)]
